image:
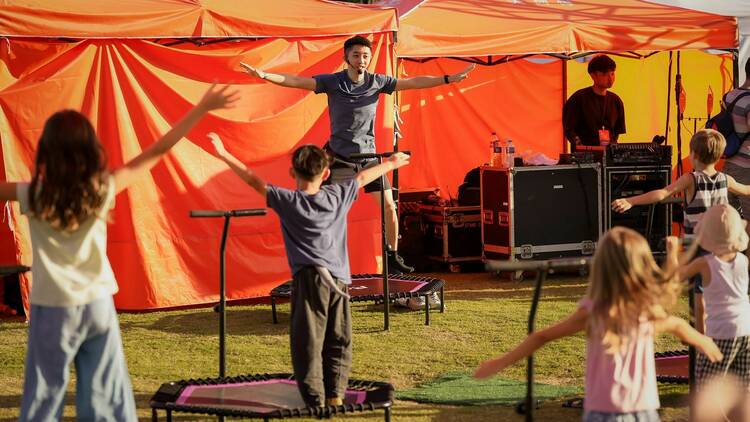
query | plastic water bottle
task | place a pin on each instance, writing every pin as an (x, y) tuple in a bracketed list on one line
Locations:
[(495, 150), (502, 158), (510, 154)]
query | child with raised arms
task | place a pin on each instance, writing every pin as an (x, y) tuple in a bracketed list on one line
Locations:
[(72, 315), (624, 308)]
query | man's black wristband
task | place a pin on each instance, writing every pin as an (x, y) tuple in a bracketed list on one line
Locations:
[(445, 78)]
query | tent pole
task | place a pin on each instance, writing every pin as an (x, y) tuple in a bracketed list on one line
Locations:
[(669, 98), (691, 294), (564, 98), (677, 91), (394, 192), (396, 99), (735, 68)]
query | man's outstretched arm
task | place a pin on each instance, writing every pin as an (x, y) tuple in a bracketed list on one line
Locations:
[(291, 81), (418, 82)]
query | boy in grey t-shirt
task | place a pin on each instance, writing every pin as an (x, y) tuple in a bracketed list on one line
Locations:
[(313, 224)]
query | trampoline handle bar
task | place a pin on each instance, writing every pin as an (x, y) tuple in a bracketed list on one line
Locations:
[(552, 264), (207, 213), (371, 155), (250, 212)]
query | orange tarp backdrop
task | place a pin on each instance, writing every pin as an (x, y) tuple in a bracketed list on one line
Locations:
[(134, 89), (519, 93), (448, 128)]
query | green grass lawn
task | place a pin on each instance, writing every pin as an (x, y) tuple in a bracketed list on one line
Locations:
[(485, 316)]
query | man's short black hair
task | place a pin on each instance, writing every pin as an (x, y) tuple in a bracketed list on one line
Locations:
[(602, 63), (357, 40), (309, 161), (747, 70)]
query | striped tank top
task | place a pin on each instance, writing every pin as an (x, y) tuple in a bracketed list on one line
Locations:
[(709, 191)]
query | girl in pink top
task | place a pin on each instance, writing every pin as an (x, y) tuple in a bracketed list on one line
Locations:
[(625, 306)]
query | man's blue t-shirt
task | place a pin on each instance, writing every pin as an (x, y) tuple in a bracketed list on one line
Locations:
[(314, 226), (351, 107)]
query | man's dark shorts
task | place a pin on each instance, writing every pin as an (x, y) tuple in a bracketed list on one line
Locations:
[(342, 170)]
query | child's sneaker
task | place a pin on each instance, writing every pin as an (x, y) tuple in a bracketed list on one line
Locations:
[(334, 401)]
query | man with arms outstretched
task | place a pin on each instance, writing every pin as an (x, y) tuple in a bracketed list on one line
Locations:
[(352, 102)]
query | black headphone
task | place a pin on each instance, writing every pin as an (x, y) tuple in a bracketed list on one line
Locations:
[(658, 139)]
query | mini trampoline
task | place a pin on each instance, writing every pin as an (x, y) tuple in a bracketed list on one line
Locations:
[(369, 287), (672, 367), (266, 396)]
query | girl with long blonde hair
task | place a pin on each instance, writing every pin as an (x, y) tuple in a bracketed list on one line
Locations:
[(626, 305)]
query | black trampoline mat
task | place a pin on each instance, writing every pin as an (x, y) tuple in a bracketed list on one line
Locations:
[(374, 286), (258, 397)]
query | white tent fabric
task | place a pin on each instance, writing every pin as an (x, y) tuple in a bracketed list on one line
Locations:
[(738, 8)]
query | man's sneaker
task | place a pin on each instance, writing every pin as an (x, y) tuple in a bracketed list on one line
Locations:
[(435, 300), (415, 303), (402, 301), (396, 264)]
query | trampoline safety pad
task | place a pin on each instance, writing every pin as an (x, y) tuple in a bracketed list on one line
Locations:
[(267, 396)]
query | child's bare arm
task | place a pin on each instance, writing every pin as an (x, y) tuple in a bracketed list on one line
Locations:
[(8, 191), (672, 261), (214, 98), (736, 187), (567, 327), (679, 185), (697, 266), (682, 330), (237, 166), (700, 313), (393, 162)]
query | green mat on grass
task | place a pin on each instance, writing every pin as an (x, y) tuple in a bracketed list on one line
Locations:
[(462, 389)]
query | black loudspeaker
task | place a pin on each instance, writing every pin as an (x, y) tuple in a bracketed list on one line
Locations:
[(541, 212), (654, 222)]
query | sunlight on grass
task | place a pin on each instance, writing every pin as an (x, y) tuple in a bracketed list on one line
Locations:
[(485, 316)]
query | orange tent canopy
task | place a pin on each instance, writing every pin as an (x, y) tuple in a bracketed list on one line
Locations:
[(465, 28), (523, 99), (134, 87), (189, 18)]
